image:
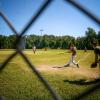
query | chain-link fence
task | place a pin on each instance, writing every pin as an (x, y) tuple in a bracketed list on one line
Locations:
[(26, 28)]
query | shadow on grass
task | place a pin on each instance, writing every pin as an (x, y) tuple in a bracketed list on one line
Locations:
[(57, 67), (63, 52), (83, 82)]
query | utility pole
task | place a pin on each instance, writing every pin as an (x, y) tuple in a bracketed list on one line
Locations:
[(41, 31)]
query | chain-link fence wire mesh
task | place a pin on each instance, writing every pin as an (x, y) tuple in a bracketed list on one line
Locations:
[(28, 25)]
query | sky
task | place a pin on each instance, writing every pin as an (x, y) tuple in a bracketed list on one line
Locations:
[(60, 18)]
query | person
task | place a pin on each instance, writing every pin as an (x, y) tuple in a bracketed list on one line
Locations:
[(34, 49), (45, 49), (72, 59), (85, 50), (97, 54)]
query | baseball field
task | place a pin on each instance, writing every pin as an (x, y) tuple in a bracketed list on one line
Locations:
[(19, 82)]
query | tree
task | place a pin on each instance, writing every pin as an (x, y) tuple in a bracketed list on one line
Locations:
[(52, 41), (90, 35)]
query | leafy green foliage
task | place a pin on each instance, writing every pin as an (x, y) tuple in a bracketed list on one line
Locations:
[(51, 41)]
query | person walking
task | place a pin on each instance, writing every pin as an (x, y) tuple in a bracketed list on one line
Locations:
[(34, 49)]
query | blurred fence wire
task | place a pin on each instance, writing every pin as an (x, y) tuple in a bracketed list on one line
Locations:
[(31, 22)]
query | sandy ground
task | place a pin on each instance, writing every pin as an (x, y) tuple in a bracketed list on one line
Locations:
[(71, 70)]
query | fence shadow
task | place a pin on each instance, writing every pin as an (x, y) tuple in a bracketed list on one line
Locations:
[(83, 82)]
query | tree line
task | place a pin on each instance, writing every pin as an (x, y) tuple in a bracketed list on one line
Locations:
[(51, 41)]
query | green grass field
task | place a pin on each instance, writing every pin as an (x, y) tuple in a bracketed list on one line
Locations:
[(18, 82)]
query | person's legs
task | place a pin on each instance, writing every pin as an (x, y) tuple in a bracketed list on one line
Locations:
[(74, 62), (94, 64), (68, 64), (96, 58)]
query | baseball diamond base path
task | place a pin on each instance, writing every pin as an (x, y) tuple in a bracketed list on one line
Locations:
[(86, 72), (72, 70)]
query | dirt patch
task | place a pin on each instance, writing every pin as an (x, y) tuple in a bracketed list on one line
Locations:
[(82, 71), (87, 72), (68, 71)]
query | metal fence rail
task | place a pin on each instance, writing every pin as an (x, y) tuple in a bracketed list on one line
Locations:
[(28, 25)]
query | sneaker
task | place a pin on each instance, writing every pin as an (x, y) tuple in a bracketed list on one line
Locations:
[(78, 65)]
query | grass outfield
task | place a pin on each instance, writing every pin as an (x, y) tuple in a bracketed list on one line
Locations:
[(18, 82)]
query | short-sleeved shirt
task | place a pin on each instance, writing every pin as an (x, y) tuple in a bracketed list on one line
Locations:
[(73, 51)]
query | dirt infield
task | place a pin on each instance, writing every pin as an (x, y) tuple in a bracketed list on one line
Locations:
[(68, 71), (82, 71)]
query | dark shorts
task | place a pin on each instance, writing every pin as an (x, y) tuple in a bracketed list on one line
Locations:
[(97, 51)]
